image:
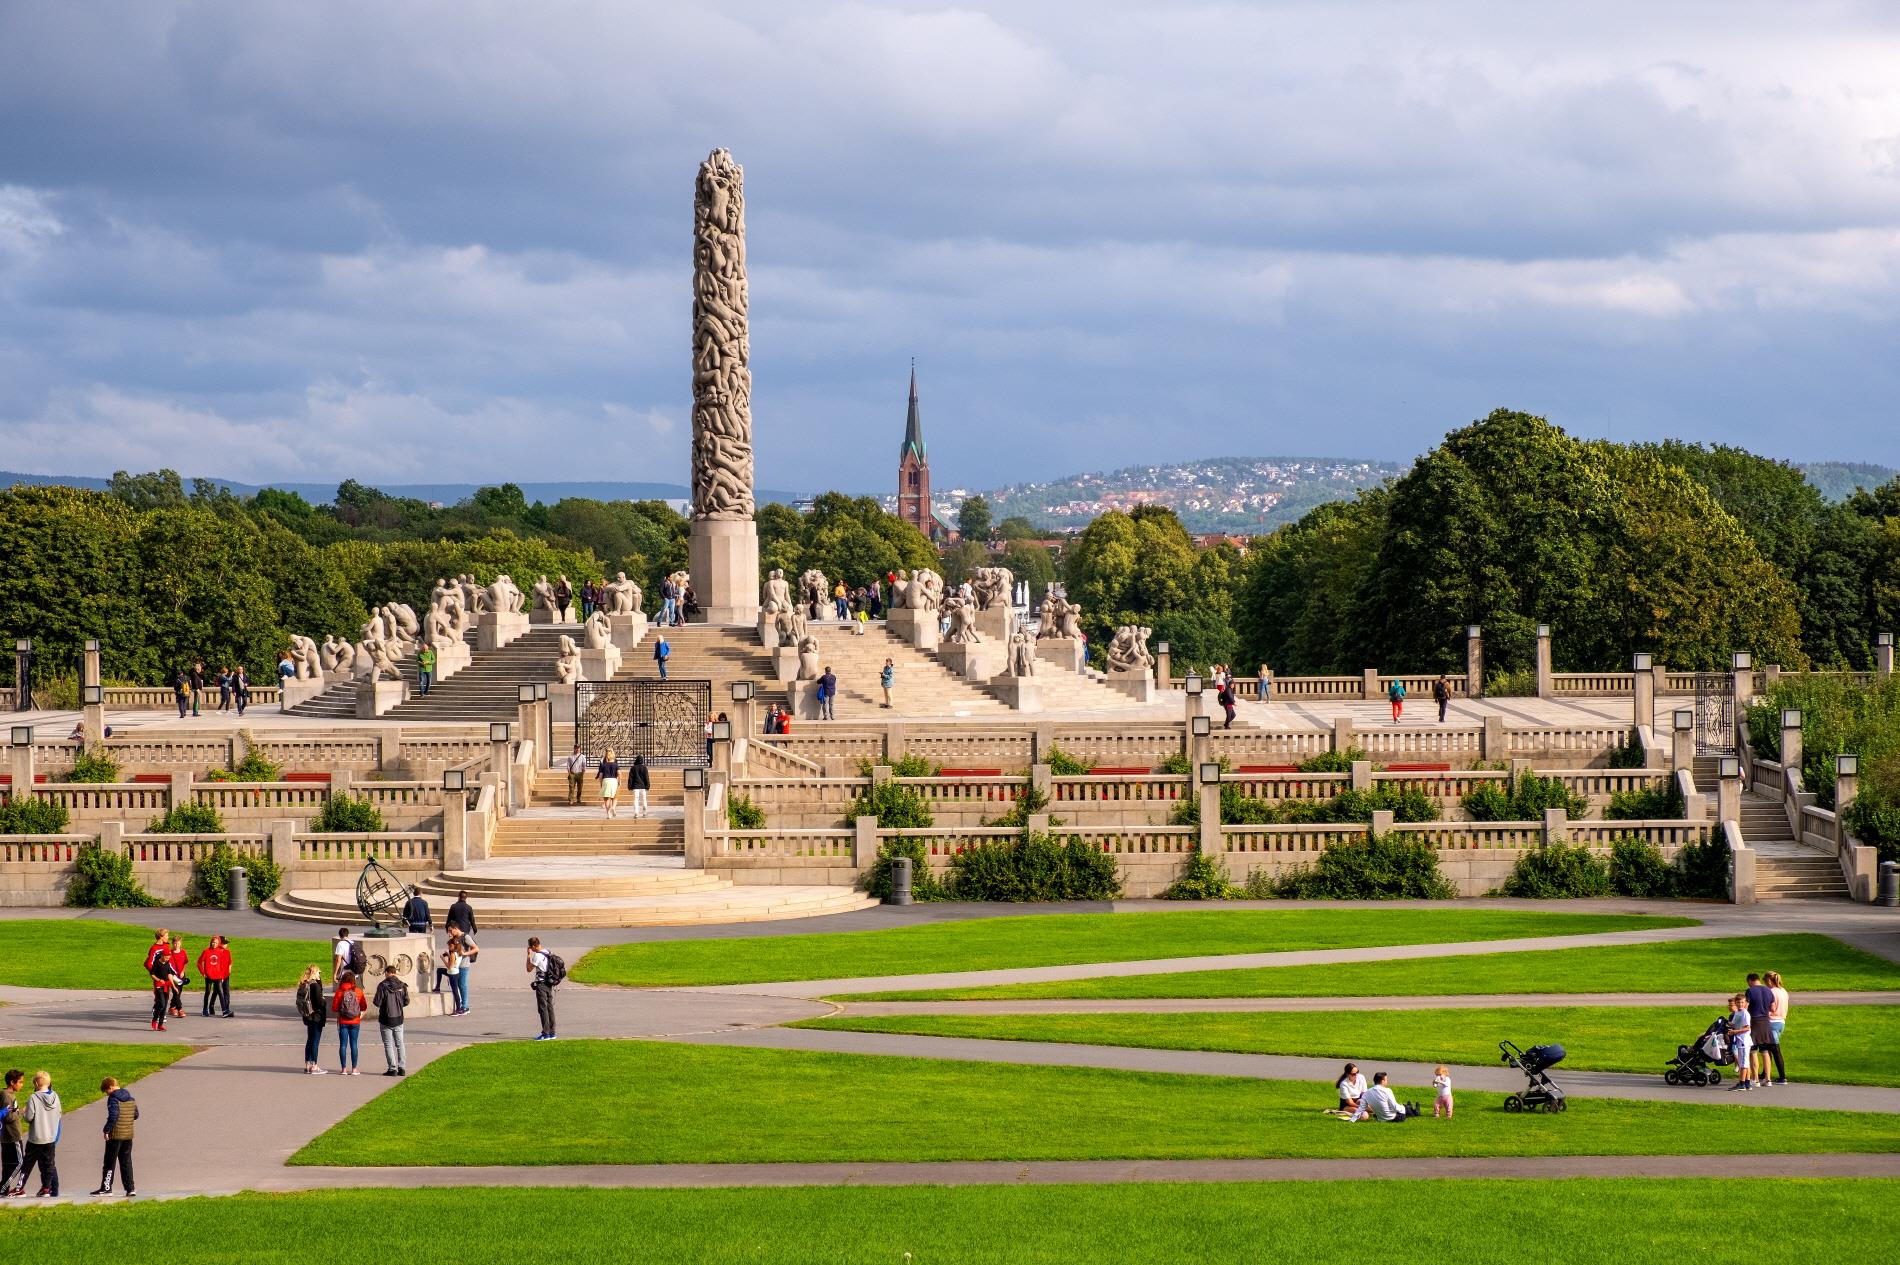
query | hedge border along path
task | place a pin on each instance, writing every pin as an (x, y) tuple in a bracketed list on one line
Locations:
[(1068, 939), (1717, 966)]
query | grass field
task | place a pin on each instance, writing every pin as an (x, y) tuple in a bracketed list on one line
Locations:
[(1060, 939), (1683, 966), (634, 1102), (1656, 1222), (78, 1067), (87, 953), (1843, 1045)]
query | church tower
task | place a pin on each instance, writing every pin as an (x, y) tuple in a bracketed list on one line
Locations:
[(913, 471)]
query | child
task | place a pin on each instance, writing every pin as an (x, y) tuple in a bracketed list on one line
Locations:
[(1441, 1086), (121, 1112), (1739, 1037)]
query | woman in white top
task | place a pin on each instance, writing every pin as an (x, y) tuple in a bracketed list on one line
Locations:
[(1352, 1087), (1777, 1020)]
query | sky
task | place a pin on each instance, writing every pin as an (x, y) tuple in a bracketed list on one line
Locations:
[(450, 241)]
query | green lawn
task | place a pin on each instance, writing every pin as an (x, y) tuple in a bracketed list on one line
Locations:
[(1841, 1045), (1655, 1222), (88, 953), (633, 1102), (1682, 966), (980, 944), (78, 1067)]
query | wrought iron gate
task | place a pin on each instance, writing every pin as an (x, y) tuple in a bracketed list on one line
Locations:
[(1714, 713), (665, 721)]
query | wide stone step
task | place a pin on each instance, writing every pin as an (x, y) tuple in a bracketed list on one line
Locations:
[(727, 905)]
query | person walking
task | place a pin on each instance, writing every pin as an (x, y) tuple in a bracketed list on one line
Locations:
[(639, 781), (1225, 696), (461, 916), (563, 598), (661, 652), (313, 1008), (224, 689), (392, 995), (214, 968), (348, 1003), (181, 692), (1777, 1020), (828, 692), (12, 1128), (425, 669), (466, 953), (285, 671), (341, 950), (609, 774), (416, 914), (122, 1112), (1396, 695), (886, 679), (1441, 694), (546, 971), (840, 600), (669, 600), (181, 963), (241, 689), (576, 775), (197, 683), (41, 1115), (158, 965)]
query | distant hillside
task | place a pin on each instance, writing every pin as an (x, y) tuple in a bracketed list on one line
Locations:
[(1836, 480), (1242, 495), (446, 493)]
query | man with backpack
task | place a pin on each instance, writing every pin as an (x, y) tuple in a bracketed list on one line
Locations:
[(1441, 694), (391, 996), (548, 971), (1396, 696), (347, 956)]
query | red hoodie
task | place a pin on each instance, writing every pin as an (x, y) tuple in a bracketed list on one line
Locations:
[(181, 960), (215, 963)]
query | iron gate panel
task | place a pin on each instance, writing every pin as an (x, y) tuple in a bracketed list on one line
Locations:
[(1714, 713), (665, 721)]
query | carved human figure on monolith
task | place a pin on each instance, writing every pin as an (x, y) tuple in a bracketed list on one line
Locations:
[(598, 631), (962, 615), (1128, 652), (808, 658), (776, 594), (992, 586), (1022, 653), (623, 595), (567, 668)]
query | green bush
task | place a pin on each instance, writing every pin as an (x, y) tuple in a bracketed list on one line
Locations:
[(1652, 803), (1333, 761), (1525, 800), (348, 814), (257, 767), (1034, 867), (1062, 764), (211, 877), (1637, 868), (1521, 683), (1836, 716), (1204, 879), (187, 819), (1378, 867), (924, 885), (1702, 868), (1029, 801), (92, 765), (896, 807), (1558, 871), (743, 814), (903, 766), (105, 880), (1630, 755), (31, 815), (1874, 819)]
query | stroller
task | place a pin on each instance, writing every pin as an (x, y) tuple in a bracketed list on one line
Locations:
[(1699, 1062), (1540, 1091)]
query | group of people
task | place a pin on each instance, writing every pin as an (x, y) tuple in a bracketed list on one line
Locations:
[(1757, 1016), (678, 604), (346, 1000), (168, 965), (30, 1125), (1360, 1101), (1441, 694), (191, 685)]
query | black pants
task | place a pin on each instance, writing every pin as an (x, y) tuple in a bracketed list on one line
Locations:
[(118, 1150), (40, 1153), (11, 1153), (1443, 703), (544, 1003), (218, 995), (161, 1003), (1772, 1050)]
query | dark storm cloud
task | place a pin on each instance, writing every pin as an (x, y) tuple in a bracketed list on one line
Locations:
[(426, 239)]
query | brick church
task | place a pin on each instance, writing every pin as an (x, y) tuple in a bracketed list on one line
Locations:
[(913, 476)]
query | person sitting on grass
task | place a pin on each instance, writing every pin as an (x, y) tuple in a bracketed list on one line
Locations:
[(1352, 1087), (1380, 1104)]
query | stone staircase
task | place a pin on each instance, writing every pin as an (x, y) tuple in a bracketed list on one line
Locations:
[(1784, 866), (485, 690), (720, 653), (339, 701), (924, 685)]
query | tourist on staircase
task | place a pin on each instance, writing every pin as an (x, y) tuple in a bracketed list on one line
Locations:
[(661, 653), (576, 775), (609, 775), (887, 678), (639, 781)]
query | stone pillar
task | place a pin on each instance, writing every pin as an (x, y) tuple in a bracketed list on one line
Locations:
[(1369, 685), (1474, 662), (180, 789), (92, 715), (1544, 684), (1728, 797), (1494, 744), (1164, 665), (1199, 741), (864, 845), (1209, 835), (1846, 786), (722, 758), (1361, 775), (1382, 821), (22, 671), (1556, 826), (1643, 693), (722, 545), (454, 830), (20, 768), (696, 843), (1682, 739), (283, 845), (1790, 753), (1883, 654), (1342, 733), (501, 764)]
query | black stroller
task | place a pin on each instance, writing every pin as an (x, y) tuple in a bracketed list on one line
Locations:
[(1540, 1091), (1700, 1062)]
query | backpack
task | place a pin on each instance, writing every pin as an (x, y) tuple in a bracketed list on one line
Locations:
[(359, 960), (556, 972), (304, 1009), (350, 1004)]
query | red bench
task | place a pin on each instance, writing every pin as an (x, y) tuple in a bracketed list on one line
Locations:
[(969, 773), (1418, 768), (324, 778), (1268, 768), (153, 779), (1109, 770)]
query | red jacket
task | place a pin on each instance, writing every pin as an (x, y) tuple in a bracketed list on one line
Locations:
[(215, 963), (181, 960), (158, 946), (362, 1004)]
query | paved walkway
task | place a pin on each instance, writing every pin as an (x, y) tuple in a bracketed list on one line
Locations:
[(1251, 1005)]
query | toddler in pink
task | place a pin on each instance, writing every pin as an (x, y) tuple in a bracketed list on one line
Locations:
[(1441, 1088)]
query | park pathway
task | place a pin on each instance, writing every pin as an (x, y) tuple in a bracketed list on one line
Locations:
[(1261, 1005)]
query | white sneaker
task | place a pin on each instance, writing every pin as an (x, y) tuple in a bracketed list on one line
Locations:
[(317, 1071)]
